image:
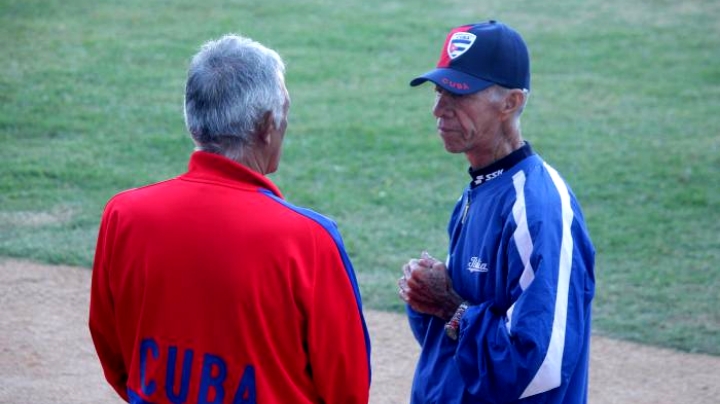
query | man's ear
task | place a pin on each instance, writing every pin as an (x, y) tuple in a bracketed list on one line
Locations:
[(265, 127), (513, 101)]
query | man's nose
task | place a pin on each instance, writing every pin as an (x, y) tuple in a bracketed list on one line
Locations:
[(441, 106)]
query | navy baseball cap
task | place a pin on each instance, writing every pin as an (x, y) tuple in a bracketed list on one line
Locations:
[(476, 56)]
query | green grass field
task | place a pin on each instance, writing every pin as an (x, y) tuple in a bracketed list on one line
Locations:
[(625, 104)]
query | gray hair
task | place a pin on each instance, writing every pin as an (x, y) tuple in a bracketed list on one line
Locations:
[(497, 93), (232, 82)]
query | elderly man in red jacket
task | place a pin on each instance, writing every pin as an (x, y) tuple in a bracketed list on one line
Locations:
[(210, 287)]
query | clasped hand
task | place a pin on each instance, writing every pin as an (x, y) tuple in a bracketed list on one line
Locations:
[(426, 286)]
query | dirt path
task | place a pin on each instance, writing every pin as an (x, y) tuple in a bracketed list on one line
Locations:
[(46, 355)]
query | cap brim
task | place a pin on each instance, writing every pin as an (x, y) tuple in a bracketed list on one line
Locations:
[(453, 81)]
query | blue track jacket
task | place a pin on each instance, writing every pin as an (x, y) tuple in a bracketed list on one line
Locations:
[(520, 254)]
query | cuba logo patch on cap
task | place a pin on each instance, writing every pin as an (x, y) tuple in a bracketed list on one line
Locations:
[(459, 43)]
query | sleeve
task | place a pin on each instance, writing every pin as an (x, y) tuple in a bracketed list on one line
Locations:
[(102, 317), (339, 343), (505, 354), (419, 323)]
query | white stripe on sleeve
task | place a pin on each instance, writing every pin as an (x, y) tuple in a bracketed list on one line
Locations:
[(522, 238), (549, 375)]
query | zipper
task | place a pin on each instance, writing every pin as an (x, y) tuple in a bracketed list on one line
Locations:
[(466, 209)]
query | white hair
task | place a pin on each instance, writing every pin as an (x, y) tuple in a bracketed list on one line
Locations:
[(498, 93), (231, 84)]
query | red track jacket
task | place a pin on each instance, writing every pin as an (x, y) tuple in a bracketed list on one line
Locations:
[(210, 288)]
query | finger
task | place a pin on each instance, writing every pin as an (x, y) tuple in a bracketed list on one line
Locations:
[(402, 283), (422, 276), (403, 295), (413, 282), (428, 259), (406, 271), (420, 284), (415, 265)]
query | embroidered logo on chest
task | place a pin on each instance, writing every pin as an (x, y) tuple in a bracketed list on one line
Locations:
[(476, 265)]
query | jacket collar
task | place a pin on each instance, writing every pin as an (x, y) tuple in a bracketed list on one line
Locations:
[(204, 166)]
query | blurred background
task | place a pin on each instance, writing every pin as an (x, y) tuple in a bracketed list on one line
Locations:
[(625, 104)]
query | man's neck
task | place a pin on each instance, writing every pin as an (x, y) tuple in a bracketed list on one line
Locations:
[(504, 147)]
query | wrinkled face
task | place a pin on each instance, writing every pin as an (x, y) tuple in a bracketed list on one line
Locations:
[(467, 123)]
